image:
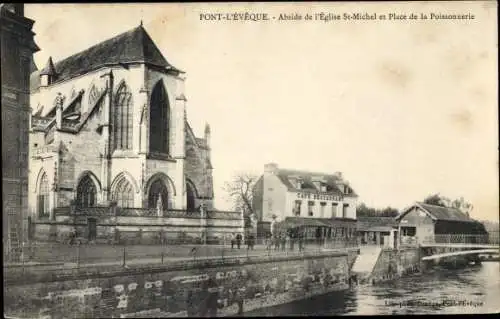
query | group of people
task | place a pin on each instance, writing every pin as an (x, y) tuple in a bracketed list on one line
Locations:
[(237, 238), (281, 239)]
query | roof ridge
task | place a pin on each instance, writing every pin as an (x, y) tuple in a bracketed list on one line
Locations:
[(306, 172), (96, 45)]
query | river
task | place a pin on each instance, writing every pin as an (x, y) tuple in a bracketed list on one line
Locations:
[(438, 291)]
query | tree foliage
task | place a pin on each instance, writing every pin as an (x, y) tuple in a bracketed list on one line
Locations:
[(365, 211), (459, 203)]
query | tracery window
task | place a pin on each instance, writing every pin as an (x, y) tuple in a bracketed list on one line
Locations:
[(123, 118), (158, 194), (159, 120), (86, 192), (124, 193), (43, 197)]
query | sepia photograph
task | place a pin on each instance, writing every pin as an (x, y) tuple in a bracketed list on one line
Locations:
[(250, 159)]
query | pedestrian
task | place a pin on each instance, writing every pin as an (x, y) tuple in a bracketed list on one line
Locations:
[(238, 240), (283, 241), (252, 241), (276, 242), (233, 240), (268, 241), (301, 240)]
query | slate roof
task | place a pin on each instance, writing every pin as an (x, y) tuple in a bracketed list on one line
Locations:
[(307, 181), (376, 223), (133, 46), (440, 213)]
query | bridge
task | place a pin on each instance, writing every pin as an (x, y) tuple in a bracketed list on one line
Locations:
[(461, 253), (442, 246)]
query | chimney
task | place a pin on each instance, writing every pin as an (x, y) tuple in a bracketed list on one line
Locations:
[(271, 168), (59, 110)]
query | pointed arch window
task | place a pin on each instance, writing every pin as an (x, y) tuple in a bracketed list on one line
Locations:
[(159, 120), (158, 194), (124, 193), (123, 119), (43, 197), (190, 197), (86, 192)]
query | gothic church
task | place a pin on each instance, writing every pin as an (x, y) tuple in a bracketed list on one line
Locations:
[(109, 125)]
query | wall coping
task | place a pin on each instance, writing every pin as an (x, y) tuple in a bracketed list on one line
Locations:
[(23, 277)]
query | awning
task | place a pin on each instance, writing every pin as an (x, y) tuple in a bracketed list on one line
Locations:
[(292, 222), (376, 229)]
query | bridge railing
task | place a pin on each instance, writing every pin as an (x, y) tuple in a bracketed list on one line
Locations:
[(459, 239)]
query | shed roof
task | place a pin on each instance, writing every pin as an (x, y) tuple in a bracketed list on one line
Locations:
[(376, 223), (438, 213)]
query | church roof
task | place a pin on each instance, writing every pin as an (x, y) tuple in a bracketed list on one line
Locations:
[(49, 68), (133, 46)]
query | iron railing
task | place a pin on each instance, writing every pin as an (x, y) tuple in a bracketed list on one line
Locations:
[(97, 211), (52, 256), (461, 239)]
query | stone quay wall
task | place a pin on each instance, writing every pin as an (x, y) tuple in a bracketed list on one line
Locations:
[(207, 288), (392, 264)]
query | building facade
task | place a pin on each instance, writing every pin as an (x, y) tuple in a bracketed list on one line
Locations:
[(109, 127), (375, 230), (325, 203), (424, 222), (17, 48), (281, 193), (110, 124)]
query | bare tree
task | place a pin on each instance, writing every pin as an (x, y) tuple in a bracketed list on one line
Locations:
[(240, 189)]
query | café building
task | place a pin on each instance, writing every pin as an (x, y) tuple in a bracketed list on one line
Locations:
[(322, 205)]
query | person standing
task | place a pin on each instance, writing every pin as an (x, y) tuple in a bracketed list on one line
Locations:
[(233, 240), (283, 241), (238, 240)]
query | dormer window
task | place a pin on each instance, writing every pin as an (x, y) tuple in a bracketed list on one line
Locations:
[(299, 184), (48, 73), (323, 188), (347, 189)]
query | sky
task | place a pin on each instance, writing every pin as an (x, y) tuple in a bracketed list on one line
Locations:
[(402, 108)]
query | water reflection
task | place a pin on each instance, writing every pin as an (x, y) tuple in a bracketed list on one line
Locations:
[(440, 291)]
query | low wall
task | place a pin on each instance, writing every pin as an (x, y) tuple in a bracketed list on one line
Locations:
[(392, 264), (138, 230), (212, 288)]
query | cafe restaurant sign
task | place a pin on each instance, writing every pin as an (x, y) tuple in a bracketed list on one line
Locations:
[(318, 196)]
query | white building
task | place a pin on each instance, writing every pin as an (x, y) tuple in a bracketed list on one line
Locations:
[(285, 194)]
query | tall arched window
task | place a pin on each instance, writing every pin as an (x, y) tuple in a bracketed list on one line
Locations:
[(86, 193), (124, 193), (43, 197), (190, 197), (158, 189), (159, 120), (123, 119)]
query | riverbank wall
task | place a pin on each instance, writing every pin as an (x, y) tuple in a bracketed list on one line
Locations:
[(208, 287), (392, 264)]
